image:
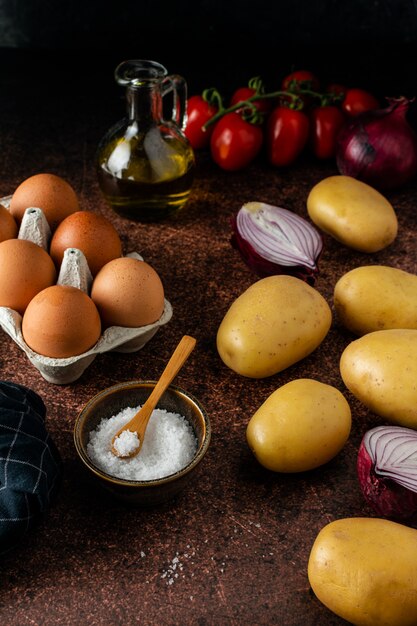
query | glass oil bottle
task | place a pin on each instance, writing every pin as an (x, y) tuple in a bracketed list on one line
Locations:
[(145, 164)]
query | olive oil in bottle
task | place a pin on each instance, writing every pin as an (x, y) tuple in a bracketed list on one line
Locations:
[(145, 165)]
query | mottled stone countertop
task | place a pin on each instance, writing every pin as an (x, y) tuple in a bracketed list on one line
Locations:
[(232, 549)]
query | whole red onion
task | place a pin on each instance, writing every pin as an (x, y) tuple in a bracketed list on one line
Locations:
[(379, 147)]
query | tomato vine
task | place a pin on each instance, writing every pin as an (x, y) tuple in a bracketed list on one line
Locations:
[(291, 97)]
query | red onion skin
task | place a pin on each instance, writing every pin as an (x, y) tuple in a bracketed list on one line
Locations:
[(379, 147), (262, 267), (385, 496)]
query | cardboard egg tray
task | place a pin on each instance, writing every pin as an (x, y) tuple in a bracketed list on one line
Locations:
[(74, 271)]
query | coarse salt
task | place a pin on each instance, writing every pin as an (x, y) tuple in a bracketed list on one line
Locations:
[(126, 443), (168, 446)]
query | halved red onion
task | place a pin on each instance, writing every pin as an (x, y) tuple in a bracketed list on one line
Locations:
[(387, 471), (273, 240)]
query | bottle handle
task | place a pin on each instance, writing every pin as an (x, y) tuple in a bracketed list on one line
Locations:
[(178, 86)]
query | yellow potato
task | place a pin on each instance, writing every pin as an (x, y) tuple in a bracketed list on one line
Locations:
[(376, 297), (365, 571), (276, 322), (353, 213), (300, 426), (380, 369)]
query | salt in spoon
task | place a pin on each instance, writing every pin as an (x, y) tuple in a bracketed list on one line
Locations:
[(139, 421)]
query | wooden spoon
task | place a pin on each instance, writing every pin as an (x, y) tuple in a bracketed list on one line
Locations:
[(139, 421)]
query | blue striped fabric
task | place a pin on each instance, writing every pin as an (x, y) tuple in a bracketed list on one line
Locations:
[(30, 464)]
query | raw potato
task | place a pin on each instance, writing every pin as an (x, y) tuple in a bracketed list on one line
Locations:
[(376, 297), (353, 213), (300, 426), (380, 369), (365, 571), (276, 322)]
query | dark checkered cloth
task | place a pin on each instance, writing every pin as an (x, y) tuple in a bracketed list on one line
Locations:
[(30, 464)]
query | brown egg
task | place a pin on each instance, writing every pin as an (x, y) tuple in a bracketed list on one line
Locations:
[(48, 192), (60, 322), (91, 233), (8, 226), (128, 292), (25, 269)]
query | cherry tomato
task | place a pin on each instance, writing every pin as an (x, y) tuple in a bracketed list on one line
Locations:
[(287, 135), (244, 93), (337, 89), (357, 101), (300, 77), (235, 142), (325, 125), (198, 113)]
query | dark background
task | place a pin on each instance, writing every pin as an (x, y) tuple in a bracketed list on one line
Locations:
[(364, 43)]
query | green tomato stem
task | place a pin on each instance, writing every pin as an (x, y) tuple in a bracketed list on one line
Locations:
[(296, 102), (254, 116), (213, 97)]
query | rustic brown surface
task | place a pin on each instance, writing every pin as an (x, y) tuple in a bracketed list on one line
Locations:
[(233, 548)]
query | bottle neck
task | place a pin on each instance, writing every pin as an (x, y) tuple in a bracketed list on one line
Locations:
[(144, 102)]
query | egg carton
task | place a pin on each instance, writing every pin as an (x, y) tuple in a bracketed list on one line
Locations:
[(74, 271)]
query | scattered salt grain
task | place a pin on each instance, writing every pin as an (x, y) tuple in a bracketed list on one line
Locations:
[(175, 568), (169, 445)]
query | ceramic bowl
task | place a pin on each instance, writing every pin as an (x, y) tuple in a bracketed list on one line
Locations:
[(114, 399)]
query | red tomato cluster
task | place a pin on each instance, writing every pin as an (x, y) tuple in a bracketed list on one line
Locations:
[(281, 129)]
